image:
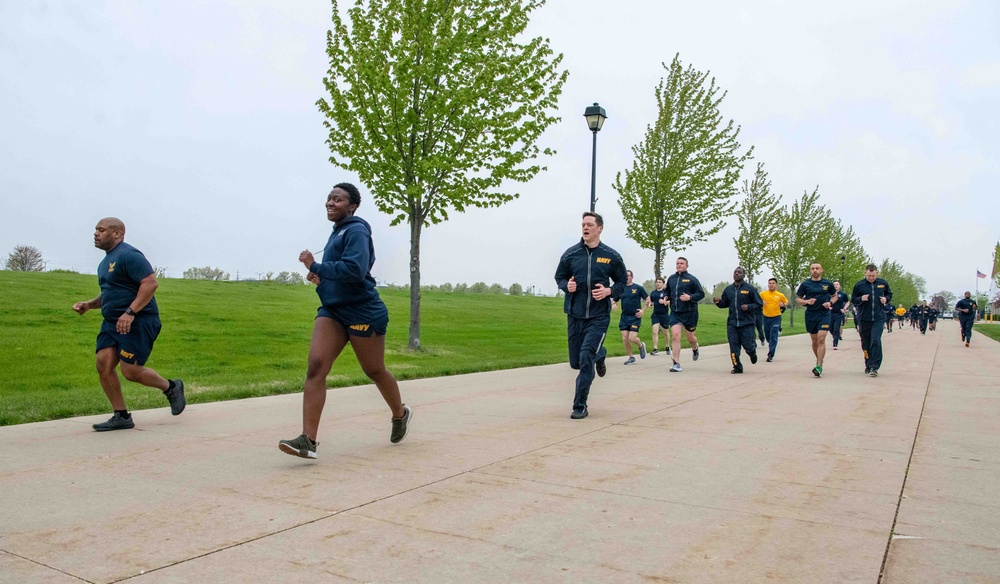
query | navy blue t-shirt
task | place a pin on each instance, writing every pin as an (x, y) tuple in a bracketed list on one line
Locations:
[(968, 305), (822, 290), (659, 309), (119, 275), (839, 301), (631, 300)]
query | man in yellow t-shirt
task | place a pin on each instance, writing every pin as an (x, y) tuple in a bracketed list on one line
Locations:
[(774, 304)]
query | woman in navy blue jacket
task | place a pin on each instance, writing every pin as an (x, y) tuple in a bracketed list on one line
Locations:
[(351, 311)]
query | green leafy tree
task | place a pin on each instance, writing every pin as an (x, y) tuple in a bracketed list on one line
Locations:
[(797, 248), (708, 296), (683, 178), (807, 233), (479, 288), (907, 288), (840, 251), (995, 276), (516, 289), (438, 105), (25, 258), (717, 290), (759, 215)]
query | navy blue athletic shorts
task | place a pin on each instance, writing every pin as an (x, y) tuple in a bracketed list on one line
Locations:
[(359, 320), (661, 319), (134, 347), (629, 323), (817, 321), (688, 319)]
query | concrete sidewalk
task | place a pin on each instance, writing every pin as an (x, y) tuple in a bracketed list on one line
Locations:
[(701, 476)]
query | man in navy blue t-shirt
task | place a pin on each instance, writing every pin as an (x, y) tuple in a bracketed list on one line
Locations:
[(631, 302), (966, 309), (816, 294), (839, 304), (661, 313), (131, 323)]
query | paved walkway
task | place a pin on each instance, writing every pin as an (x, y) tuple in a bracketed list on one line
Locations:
[(702, 476)]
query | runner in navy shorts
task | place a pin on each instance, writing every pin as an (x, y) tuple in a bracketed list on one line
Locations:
[(130, 326), (817, 295), (351, 312), (364, 320), (689, 320), (632, 302), (135, 347), (817, 321), (660, 319)]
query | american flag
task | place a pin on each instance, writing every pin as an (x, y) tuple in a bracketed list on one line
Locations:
[(980, 274)]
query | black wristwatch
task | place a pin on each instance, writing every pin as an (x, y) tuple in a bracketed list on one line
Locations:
[(129, 311)]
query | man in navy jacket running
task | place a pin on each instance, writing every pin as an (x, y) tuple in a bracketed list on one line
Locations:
[(870, 296), (744, 303), (590, 273)]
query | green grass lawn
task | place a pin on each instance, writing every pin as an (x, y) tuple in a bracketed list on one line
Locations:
[(231, 340), (990, 330)]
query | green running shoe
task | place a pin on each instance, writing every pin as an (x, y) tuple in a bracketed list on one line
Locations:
[(399, 425), (302, 447)]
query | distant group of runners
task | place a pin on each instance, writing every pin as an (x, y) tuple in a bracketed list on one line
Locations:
[(596, 282), (592, 275)]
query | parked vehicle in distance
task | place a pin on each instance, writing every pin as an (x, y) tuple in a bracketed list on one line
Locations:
[(947, 314)]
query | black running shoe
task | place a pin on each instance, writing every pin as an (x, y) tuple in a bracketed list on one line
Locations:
[(753, 357), (302, 447), (116, 422), (601, 368), (694, 355), (176, 397), (770, 357), (578, 415), (399, 425)]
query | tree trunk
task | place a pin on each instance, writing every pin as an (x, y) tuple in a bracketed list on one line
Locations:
[(658, 263), (793, 305), (415, 226)]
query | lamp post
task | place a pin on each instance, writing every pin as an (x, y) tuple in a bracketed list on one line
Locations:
[(843, 260), (595, 115)]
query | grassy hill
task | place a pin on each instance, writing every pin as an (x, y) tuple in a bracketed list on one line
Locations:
[(231, 340)]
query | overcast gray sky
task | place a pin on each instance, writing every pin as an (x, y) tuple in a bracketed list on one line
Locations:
[(195, 122)]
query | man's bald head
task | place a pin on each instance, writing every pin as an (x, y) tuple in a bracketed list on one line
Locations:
[(109, 232), (113, 223)]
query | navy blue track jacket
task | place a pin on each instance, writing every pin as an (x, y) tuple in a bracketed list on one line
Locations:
[(733, 297), (683, 283), (590, 267), (872, 310)]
